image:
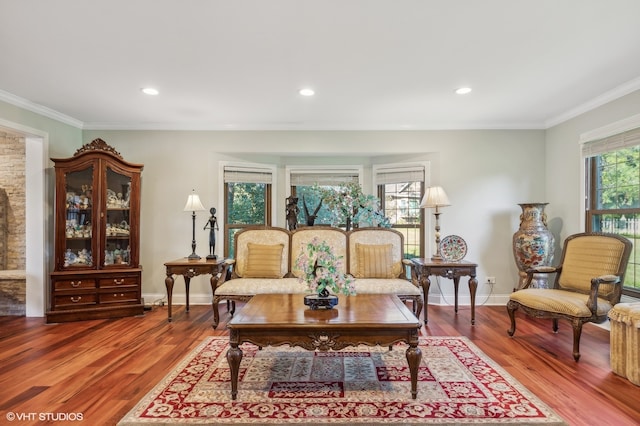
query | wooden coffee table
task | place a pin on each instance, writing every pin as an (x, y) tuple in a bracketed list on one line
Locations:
[(279, 319)]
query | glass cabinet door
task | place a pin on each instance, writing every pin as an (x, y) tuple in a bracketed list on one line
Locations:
[(79, 219), (117, 249)]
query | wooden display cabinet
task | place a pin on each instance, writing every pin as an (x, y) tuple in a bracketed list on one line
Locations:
[(96, 273)]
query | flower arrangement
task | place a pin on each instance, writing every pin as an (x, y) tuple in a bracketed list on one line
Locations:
[(321, 269)]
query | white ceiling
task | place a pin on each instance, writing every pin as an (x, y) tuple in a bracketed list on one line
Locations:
[(374, 64)]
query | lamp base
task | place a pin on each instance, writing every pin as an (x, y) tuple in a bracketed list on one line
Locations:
[(436, 257), (193, 256)]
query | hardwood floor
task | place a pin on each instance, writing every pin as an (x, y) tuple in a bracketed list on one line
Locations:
[(100, 369)]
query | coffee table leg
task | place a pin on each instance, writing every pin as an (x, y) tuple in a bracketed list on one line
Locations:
[(234, 356), (414, 355)]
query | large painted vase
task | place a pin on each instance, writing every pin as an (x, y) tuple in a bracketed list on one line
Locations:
[(533, 244)]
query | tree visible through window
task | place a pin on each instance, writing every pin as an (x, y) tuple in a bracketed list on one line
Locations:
[(613, 198), (246, 205), (401, 205), (247, 201)]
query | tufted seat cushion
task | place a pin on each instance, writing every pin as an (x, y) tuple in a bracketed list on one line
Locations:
[(386, 286), (253, 286), (559, 301)]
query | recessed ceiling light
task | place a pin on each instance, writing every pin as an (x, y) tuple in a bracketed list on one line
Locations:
[(463, 90), (149, 91), (307, 92)]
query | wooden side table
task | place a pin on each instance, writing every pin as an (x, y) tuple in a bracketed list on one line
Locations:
[(453, 271), (188, 269)]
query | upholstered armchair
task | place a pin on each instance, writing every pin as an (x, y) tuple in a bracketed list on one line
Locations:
[(587, 285)]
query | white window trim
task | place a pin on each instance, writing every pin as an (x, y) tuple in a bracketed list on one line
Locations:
[(606, 131), (426, 165), (611, 129), (392, 167), (289, 170)]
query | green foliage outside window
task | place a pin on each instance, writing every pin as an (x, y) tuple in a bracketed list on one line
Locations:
[(619, 179), (246, 203), (615, 202)]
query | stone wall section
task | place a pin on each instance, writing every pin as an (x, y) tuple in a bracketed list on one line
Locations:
[(12, 224), (4, 230), (13, 182)]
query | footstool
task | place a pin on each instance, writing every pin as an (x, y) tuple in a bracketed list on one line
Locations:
[(625, 341)]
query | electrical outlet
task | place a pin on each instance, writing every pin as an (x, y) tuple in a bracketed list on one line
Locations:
[(491, 280)]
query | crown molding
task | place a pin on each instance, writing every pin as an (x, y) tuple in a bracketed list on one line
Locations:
[(598, 101), (611, 95), (616, 128), (311, 127), (39, 109)]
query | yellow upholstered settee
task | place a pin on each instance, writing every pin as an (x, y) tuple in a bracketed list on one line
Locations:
[(266, 256)]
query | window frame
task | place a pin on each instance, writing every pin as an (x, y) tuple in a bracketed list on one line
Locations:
[(611, 138), (380, 170), (269, 194), (332, 175)]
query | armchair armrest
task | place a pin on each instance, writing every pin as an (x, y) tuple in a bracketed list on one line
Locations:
[(539, 270), (592, 303), (413, 272), (607, 279), (544, 270), (225, 271)]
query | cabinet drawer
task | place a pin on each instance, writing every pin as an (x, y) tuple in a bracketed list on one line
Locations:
[(74, 284), (119, 296), (74, 301), (119, 281)]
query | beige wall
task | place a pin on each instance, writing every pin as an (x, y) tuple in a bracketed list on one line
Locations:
[(44, 137), (565, 177), (486, 173)]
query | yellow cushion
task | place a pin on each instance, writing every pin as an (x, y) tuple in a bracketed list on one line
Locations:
[(559, 301), (590, 257), (374, 261), (263, 261)]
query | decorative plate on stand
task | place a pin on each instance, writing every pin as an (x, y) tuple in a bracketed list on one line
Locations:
[(453, 248)]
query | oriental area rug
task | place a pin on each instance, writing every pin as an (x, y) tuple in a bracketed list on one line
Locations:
[(361, 385)]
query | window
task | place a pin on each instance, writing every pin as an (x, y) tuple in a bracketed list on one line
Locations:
[(612, 166), (247, 200), (302, 181), (400, 189)]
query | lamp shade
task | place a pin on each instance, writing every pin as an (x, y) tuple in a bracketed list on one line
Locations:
[(435, 197), (193, 204)]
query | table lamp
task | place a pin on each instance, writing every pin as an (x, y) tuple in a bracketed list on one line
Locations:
[(435, 197), (193, 205)]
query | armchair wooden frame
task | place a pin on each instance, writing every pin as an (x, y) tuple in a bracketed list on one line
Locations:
[(587, 285)]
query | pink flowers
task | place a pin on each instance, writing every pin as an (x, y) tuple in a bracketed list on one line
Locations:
[(323, 270)]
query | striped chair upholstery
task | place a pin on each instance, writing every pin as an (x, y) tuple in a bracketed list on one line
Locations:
[(588, 284)]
